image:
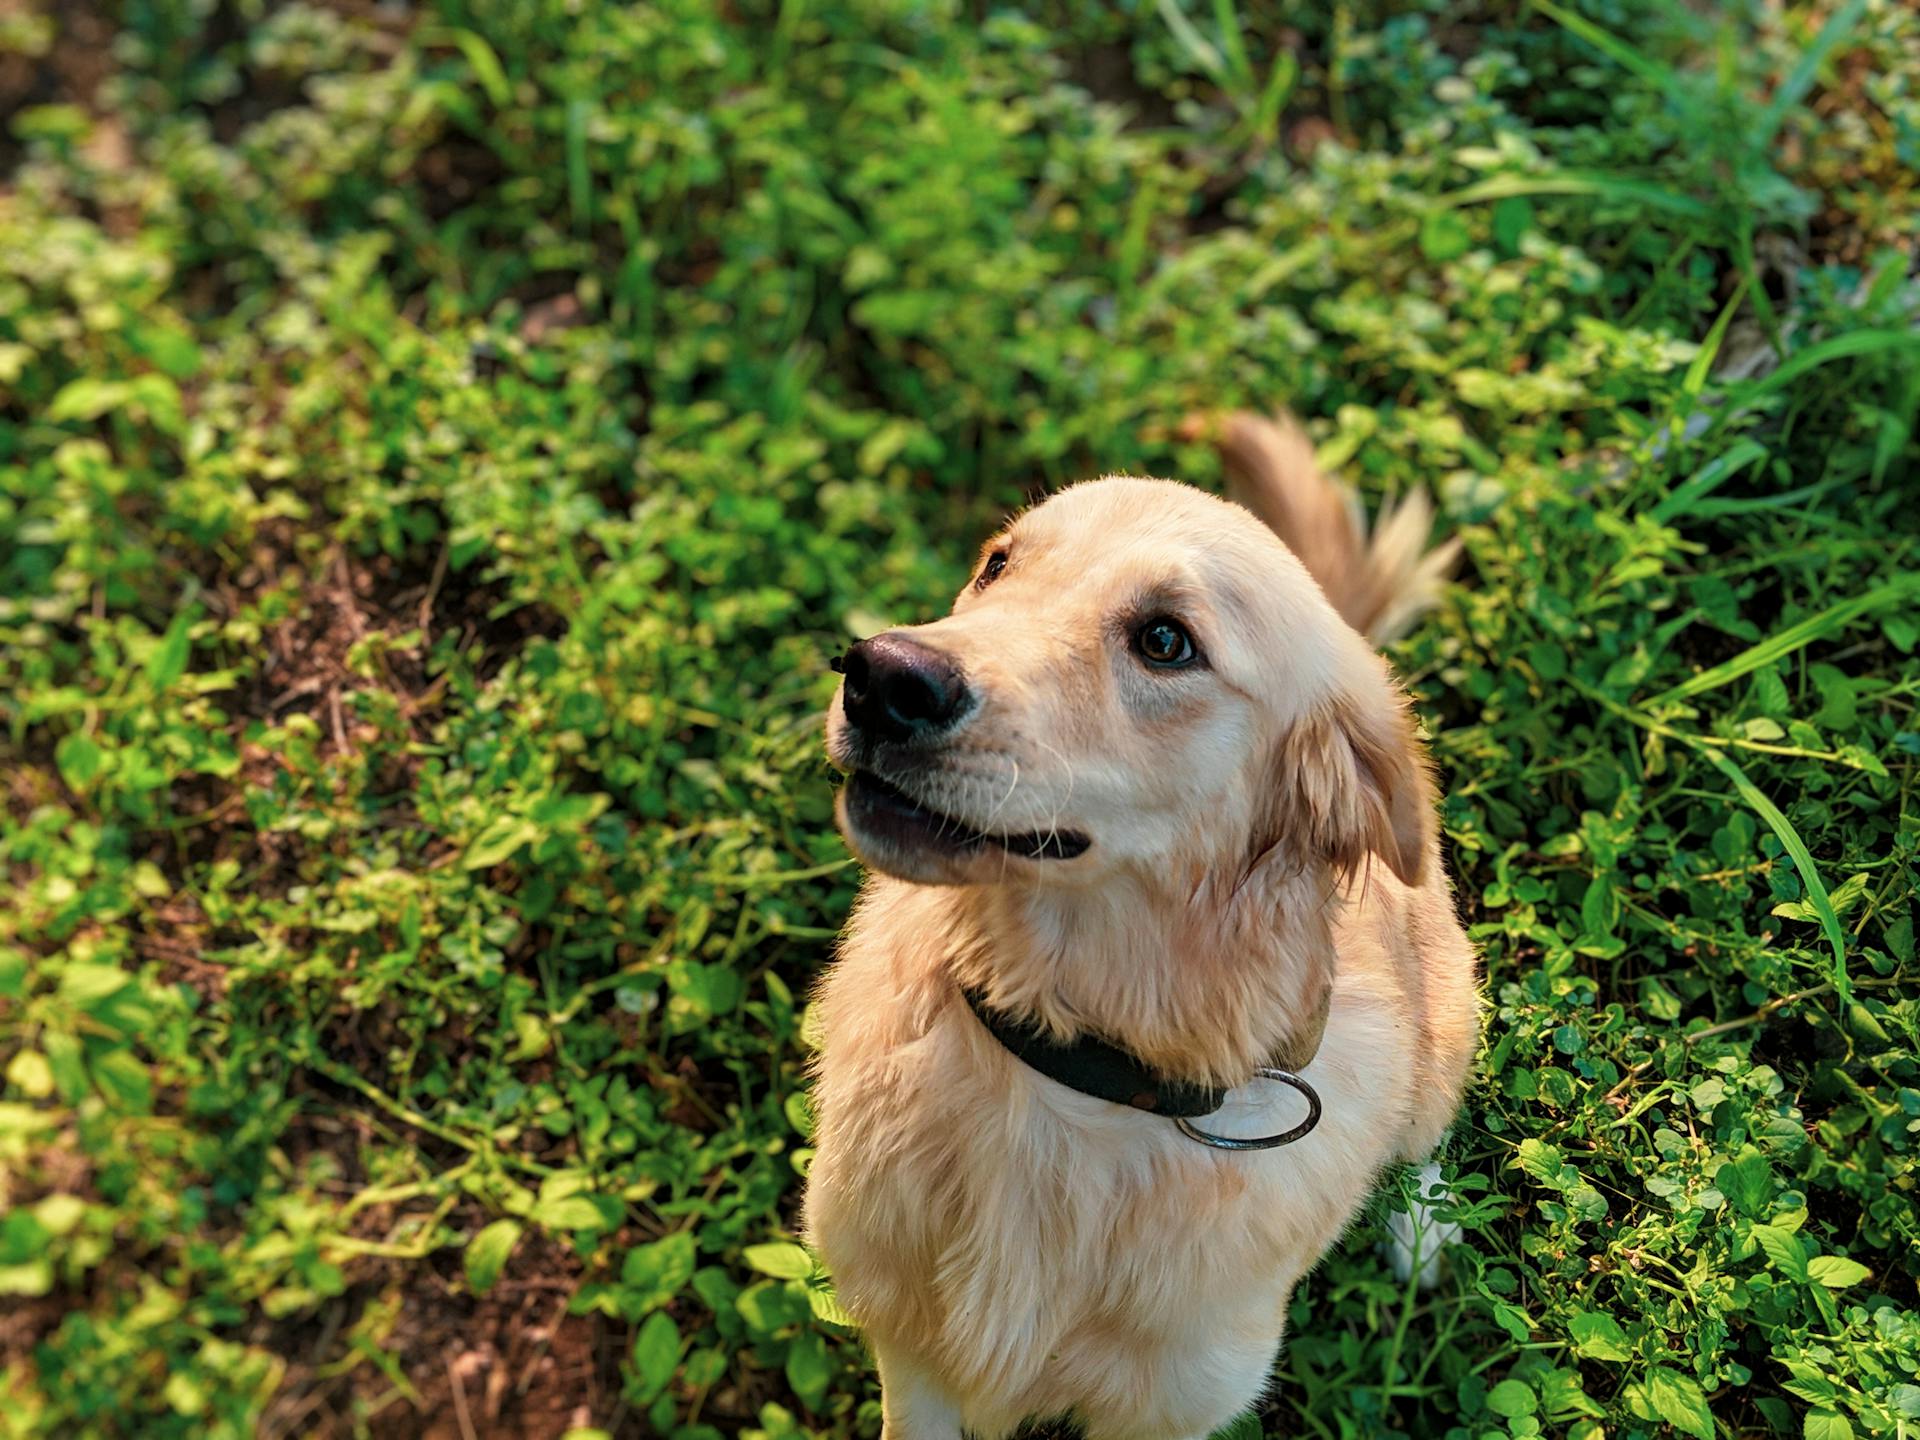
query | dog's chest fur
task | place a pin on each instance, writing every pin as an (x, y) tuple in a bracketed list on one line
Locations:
[(1038, 1249)]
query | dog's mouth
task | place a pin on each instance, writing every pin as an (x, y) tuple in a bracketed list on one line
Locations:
[(884, 812)]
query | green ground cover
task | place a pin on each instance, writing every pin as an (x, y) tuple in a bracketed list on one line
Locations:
[(441, 444)]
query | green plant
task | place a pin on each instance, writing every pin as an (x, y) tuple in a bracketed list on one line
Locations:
[(439, 451)]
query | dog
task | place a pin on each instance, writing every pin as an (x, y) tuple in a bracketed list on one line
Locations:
[(1155, 873)]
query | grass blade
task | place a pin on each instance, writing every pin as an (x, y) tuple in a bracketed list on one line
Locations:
[(579, 177), (1580, 182), (1684, 497), (1839, 347), (481, 60), (1794, 88), (1796, 848), (1280, 82), (1195, 44), (1775, 647), (1702, 365), (1235, 47), (1608, 44)]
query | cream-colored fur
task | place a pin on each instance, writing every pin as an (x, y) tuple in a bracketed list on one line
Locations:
[(1263, 879)]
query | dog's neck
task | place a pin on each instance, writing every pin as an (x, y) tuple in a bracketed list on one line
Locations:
[(1202, 982)]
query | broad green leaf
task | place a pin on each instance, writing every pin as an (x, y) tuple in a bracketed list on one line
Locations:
[(1836, 1272), (568, 1212), (1598, 1337), (1747, 1182), (487, 1252), (80, 760), (1512, 1397), (1444, 236), (86, 399), (827, 1306), (1827, 1425), (655, 1273), (781, 1259), (498, 841), (1542, 1161), (1678, 1400), (124, 1079), (85, 984), (168, 662), (809, 1369), (656, 1354), (1783, 1251)]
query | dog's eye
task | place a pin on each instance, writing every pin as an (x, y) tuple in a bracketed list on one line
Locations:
[(1164, 644), (990, 572)]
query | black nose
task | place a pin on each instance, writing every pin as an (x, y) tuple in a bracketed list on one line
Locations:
[(898, 689)]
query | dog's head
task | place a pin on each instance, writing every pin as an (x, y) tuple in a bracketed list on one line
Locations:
[(1138, 677)]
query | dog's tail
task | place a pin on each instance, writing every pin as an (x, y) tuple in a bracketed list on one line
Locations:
[(1380, 582)]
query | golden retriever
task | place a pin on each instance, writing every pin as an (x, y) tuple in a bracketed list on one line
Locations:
[(1147, 783)]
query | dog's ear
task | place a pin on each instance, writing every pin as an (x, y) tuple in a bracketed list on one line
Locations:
[(1350, 780)]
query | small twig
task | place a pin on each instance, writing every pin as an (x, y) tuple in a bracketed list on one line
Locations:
[(459, 1400), (433, 589), (539, 1353), (339, 723), (348, 603)]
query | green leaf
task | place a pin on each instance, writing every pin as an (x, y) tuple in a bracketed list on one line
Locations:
[(80, 760), (1512, 1397), (809, 1370), (86, 399), (656, 1354), (1598, 1337), (1747, 1182), (86, 984), (498, 841), (168, 662), (1512, 218), (487, 1252), (1836, 1272), (1827, 1425), (656, 1273), (1677, 1399), (1783, 1250), (184, 1393), (1444, 236), (568, 1212), (124, 1079), (781, 1259), (825, 1304), (1542, 1161)]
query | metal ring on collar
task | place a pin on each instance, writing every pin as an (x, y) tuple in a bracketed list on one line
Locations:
[(1262, 1142)]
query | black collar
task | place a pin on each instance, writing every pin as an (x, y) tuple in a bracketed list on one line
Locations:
[(1093, 1067), (1107, 1072)]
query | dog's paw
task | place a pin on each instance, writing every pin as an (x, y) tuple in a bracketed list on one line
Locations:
[(1419, 1238)]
